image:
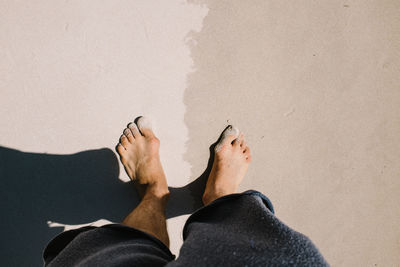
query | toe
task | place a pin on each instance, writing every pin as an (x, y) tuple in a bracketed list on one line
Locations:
[(120, 149), (246, 151), (129, 135), (227, 137), (248, 159), (134, 129), (243, 145), (124, 141), (144, 125), (238, 141)]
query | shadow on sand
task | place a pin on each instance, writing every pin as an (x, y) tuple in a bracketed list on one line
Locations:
[(70, 189)]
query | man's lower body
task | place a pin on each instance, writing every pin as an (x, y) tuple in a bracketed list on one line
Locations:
[(230, 230)]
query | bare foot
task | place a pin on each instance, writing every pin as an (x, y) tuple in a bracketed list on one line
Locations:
[(139, 153), (231, 161)]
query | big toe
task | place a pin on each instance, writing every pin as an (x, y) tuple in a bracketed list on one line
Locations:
[(145, 126), (228, 136)]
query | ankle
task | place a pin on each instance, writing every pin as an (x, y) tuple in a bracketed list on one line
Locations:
[(209, 197), (157, 192), (217, 192)]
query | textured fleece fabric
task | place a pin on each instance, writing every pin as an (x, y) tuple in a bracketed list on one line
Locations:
[(235, 230)]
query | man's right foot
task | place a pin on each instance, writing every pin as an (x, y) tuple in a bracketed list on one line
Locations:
[(231, 161), (139, 153)]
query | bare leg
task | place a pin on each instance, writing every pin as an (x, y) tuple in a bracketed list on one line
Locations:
[(139, 153), (149, 216)]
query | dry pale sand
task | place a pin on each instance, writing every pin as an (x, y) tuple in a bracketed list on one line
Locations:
[(314, 85)]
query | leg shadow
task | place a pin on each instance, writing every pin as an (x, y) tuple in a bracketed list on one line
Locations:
[(70, 189), (187, 199)]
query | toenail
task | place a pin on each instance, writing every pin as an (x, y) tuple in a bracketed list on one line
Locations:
[(144, 123), (127, 132), (132, 126)]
